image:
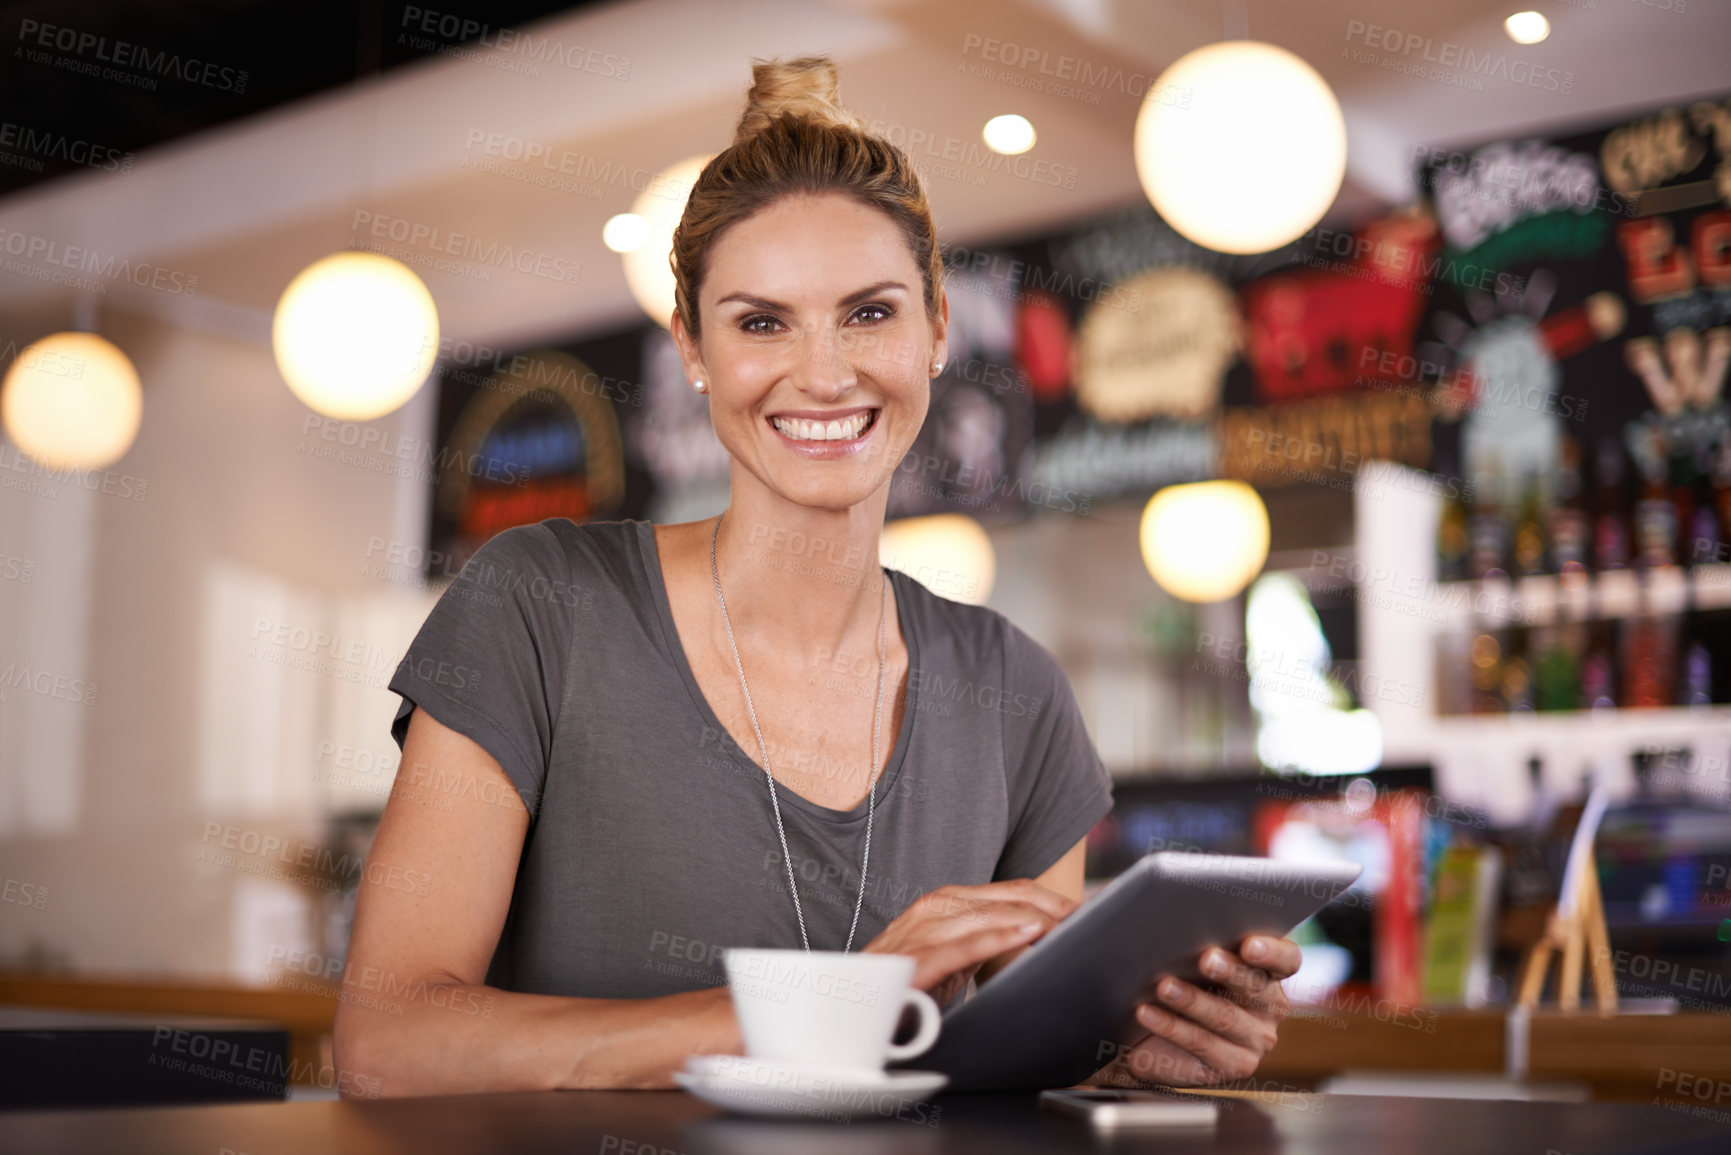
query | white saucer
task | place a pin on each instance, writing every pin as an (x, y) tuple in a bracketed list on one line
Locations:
[(743, 1066), (757, 1087)]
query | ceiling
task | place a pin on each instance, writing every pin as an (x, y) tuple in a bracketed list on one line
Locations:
[(243, 193), (268, 53)]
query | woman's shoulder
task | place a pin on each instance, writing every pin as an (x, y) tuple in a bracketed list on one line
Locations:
[(559, 549)]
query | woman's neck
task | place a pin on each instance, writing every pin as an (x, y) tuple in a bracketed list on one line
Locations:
[(798, 576)]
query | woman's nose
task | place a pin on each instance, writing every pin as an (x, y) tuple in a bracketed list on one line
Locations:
[(824, 368)]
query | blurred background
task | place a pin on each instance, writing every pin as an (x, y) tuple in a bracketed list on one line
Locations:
[(1335, 388)]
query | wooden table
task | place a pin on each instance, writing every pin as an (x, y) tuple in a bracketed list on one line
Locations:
[(672, 1123)]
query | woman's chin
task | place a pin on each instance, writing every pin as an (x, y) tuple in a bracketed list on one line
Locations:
[(830, 495)]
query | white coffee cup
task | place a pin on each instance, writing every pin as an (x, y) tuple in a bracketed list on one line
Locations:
[(827, 1008)]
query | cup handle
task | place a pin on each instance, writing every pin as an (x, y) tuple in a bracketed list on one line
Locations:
[(931, 1018)]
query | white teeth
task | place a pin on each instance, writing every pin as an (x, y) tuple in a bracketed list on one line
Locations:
[(841, 429)]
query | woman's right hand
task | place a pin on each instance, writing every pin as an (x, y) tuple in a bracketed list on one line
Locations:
[(953, 930)]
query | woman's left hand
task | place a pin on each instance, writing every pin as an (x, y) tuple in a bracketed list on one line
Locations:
[(1198, 1038)]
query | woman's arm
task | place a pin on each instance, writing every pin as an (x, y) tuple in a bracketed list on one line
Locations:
[(415, 1017)]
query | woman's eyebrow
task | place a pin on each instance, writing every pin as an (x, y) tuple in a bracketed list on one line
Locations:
[(856, 295)]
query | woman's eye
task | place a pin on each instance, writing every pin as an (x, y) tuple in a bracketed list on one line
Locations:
[(763, 324)]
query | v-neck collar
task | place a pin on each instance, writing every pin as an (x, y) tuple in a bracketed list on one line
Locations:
[(650, 552)]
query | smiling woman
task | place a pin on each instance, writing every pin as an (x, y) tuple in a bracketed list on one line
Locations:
[(745, 732)]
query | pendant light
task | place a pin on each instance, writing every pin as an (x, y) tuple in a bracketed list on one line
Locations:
[(356, 334), (1240, 146), (949, 553), (648, 240), (1204, 541), (72, 400)]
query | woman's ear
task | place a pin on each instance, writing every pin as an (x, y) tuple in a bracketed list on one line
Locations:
[(941, 328), (690, 357)]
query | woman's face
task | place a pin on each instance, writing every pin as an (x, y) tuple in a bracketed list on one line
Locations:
[(815, 347)]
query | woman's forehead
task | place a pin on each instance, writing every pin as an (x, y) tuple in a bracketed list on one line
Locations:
[(815, 247)]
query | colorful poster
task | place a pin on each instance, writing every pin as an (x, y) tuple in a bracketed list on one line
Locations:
[(538, 438), (1582, 295)]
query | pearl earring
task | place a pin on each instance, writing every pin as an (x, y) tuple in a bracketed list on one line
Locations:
[(698, 385)]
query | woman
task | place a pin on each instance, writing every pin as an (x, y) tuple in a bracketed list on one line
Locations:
[(627, 747)]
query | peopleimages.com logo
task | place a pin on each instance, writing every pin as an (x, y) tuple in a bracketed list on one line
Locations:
[(145, 63), (1450, 63)]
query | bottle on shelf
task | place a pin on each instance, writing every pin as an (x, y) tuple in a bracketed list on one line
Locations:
[(1486, 655), (1517, 689), (1490, 530), (1655, 520), (1557, 666), (1599, 689), (1528, 553), (1695, 671), (1649, 638), (1454, 538), (1700, 529), (1599, 673), (1694, 678), (1610, 521), (1721, 478), (1569, 528)]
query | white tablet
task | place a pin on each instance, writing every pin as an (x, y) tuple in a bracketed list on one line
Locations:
[(1066, 1006)]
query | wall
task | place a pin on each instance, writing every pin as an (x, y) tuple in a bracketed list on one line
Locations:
[(233, 534), (1078, 586)]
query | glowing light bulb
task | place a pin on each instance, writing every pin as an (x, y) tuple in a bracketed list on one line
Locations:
[(1009, 134), (72, 400), (948, 553), (355, 335), (1205, 541), (1249, 154)]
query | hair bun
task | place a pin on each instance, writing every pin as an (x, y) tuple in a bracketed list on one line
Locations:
[(806, 86)]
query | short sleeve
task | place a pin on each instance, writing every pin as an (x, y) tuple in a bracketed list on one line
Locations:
[(1058, 786), (490, 660)]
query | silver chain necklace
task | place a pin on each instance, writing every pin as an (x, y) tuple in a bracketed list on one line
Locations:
[(871, 790)]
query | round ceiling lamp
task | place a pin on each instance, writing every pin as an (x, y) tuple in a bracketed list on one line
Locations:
[(624, 232), (72, 400), (1205, 541), (355, 335), (1009, 134), (1527, 27), (948, 553), (659, 207), (1240, 146)]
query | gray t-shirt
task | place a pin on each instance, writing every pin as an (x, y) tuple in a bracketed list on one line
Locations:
[(652, 845)]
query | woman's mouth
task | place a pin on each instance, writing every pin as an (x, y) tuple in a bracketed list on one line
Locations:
[(842, 430)]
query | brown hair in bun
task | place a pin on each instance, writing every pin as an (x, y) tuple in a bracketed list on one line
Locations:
[(795, 137)]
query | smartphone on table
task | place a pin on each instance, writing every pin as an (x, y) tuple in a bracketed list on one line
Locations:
[(1109, 1108)]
